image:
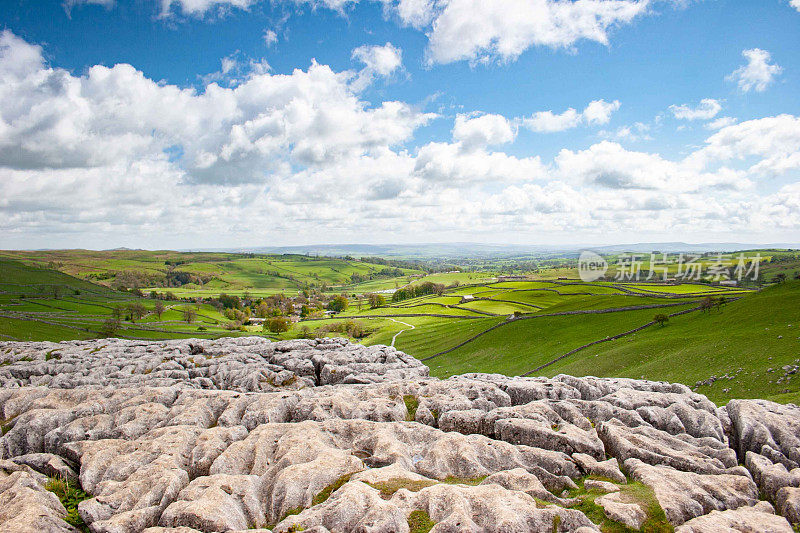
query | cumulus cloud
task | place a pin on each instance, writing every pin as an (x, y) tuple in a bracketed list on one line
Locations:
[(112, 155), (312, 117), (720, 123), (773, 143), (483, 31), (597, 112), (795, 4), (705, 110), (482, 130), (378, 61), (757, 74)]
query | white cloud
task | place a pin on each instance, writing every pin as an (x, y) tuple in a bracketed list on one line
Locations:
[(757, 74), (270, 37), (449, 165), (198, 8), (112, 158), (483, 130), (637, 132), (53, 119), (706, 110), (379, 61), (795, 4), (721, 122), (597, 112), (772, 144), (503, 29)]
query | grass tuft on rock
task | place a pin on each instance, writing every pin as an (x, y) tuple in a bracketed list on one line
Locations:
[(452, 480), (412, 402), (388, 488), (420, 522), (330, 489), (71, 494), (633, 491)]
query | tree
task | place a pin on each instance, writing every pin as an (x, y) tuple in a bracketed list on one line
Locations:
[(780, 277), (137, 310), (56, 292), (159, 308), (661, 319), (189, 315), (706, 304), (305, 311), (338, 304), (117, 313), (277, 324), (376, 300)]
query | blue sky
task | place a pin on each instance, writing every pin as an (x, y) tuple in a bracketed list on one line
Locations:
[(309, 121)]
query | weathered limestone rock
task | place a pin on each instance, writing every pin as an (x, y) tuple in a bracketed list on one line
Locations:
[(766, 428), (787, 500), (617, 508), (686, 495), (218, 503), (521, 480), (770, 477), (608, 469), (682, 451), (601, 486), (759, 518), (25, 505), (489, 508), (241, 363), (228, 435)]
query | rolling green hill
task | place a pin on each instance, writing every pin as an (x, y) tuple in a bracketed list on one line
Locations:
[(42, 304), (190, 274), (744, 339)]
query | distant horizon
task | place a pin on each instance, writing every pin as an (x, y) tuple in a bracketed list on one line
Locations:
[(553, 247)]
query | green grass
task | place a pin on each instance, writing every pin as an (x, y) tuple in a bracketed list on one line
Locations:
[(412, 402), (522, 345), (420, 522), (323, 496), (71, 494), (758, 332), (633, 492), (389, 487)]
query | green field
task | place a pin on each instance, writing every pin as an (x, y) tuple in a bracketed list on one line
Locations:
[(42, 304), (192, 274), (510, 327)]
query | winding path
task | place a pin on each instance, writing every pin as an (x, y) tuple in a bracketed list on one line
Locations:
[(410, 327)]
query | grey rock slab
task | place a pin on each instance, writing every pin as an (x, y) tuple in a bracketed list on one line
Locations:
[(766, 428), (686, 495), (617, 508), (759, 518)]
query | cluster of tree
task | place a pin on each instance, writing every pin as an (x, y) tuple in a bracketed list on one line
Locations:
[(376, 300), (277, 324), (351, 328), (709, 302), (338, 303), (420, 289)]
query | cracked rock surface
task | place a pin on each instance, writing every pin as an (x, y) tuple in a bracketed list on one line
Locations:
[(244, 434)]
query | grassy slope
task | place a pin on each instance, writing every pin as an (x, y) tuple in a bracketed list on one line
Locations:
[(231, 272), (34, 312), (525, 344), (758, 332)]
